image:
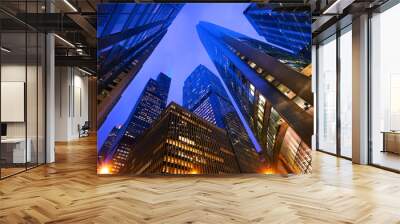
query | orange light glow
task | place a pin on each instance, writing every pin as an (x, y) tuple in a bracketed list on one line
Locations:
[(267, 171), (194, 171), (104, 169)]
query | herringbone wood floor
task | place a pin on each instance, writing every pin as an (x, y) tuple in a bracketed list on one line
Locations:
[(70, 192)]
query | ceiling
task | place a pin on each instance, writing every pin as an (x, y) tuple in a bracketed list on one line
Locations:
[(74, 21)]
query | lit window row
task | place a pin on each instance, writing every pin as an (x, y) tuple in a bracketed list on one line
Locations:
[(194, 150), (252, 89), (281, 87), (174, 170), (186, 140), (179, 162), (261, 107)]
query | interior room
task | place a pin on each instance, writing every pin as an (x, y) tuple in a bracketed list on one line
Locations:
[(22, 100), (53, 105)]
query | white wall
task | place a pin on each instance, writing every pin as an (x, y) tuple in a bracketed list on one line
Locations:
[(71, 102), (9, 73), (16, 73)]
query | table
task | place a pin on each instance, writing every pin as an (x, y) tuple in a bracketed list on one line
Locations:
[(391, 141), (13, 150)]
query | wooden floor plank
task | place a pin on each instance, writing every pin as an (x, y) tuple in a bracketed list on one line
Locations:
[(69, 191)]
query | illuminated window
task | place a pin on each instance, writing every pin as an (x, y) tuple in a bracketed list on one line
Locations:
[(252, 64), (261, 99), (252, 89), (301, 103), (285, 90), (269, 78), (186, 140)]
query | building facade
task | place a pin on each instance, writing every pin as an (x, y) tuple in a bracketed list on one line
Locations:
[(127, 36), (273, 95), (204, 94), (180, 142), (109, 144), (198, 84), (148, 108), (287, 27)]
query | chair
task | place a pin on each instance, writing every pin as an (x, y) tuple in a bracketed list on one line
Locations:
[(84, 130)]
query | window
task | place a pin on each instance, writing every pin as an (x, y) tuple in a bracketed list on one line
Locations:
[(385, 89), (269, 78), (252, 89), (286, 91), (346, 93), (334, 94), (327, 95), (22, 65)]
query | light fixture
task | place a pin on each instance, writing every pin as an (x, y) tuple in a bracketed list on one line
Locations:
[(338, 6), (5, 50), (84, 71), (64, 40), (70, 5)]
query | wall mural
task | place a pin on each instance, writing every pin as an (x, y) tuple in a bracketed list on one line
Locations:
[(204, 88)]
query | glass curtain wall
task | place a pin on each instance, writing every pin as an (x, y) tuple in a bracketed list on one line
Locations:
[(22, 88), (326, 95), (345, 58), (334, 95), (385, 89)]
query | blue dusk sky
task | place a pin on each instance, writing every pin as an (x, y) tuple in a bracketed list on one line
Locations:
[(178, 54)]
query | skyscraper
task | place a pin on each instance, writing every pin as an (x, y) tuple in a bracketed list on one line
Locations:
[(204, 94), (180, 142), (288, 27), (273, 96), (198, 84), (127, 36), (148, 108), (104, 154)]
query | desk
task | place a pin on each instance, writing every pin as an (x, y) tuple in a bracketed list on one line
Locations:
[(391, 141), (13, 150)]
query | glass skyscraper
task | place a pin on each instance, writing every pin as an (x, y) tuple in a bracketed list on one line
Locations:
[(287, 27), (274, 97), (204, 94), (198, 84), (109, 144), (148, 108), (127, 35)]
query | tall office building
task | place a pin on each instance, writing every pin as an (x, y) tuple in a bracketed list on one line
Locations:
[(198, 84), (127, 36), (180, 142), (274, 97), (104, 154), (204, 94), (148, 108), (287, 27)]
